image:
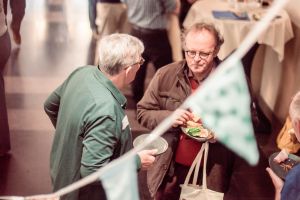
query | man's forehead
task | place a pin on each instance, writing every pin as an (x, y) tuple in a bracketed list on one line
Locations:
[(193, 34), (200, 38)]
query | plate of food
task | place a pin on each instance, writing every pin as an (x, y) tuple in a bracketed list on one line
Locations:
[(281, 169), (195, 130), (160, 143)]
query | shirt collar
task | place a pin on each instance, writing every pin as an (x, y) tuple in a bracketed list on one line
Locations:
[(121, 99)]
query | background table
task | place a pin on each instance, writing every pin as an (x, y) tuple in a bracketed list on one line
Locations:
[(267, 66)]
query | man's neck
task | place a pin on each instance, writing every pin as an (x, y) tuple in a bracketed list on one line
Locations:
[(116, 80)]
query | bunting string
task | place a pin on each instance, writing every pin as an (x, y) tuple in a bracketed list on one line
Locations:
[(247, 43)]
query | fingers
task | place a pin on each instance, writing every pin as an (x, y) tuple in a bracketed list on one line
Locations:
[(282, 156), (213, 140), (151, 152), (147, 158), (184, 116), (270, 171), (277, 181)]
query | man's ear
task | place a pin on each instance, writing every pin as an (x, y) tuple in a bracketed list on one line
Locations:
[(298, 126), (216, 51), (127, 69)]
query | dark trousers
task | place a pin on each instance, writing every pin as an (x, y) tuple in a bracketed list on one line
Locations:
[(157, 50), (184, 9), (18, 12), (93, 191), (4, 130), (93, 14)]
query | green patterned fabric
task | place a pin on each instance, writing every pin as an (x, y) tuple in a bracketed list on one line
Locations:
[(120, 180)]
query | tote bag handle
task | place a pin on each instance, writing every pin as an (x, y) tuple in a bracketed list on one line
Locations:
[(196, 166)]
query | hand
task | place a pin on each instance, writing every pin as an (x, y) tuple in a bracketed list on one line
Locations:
[(277, 182), (147, 158), (184, 116), (213, 139)]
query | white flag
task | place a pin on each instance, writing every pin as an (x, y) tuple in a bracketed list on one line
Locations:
[(223, 103), (120, 181)]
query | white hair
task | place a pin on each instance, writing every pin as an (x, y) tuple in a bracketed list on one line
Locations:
[(295, 107), (116, 51)]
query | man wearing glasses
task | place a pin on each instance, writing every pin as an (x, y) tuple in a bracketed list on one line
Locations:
[(88, 113), (169, 88)]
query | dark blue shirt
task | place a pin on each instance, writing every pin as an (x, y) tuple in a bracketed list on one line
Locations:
[(291, 187)]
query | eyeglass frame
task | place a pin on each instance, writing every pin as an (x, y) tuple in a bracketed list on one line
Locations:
[(199, 53), (141, 62)]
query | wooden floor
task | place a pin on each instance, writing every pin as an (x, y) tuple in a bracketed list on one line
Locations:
[(56, 39)]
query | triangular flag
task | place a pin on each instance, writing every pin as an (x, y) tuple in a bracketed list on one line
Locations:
[(223, 103), (120, 181)]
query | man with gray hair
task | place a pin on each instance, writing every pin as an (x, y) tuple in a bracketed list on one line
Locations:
[(87, 111), (290, 189)]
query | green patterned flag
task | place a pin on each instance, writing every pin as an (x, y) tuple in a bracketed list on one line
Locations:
[(120, 180), (223, 103)]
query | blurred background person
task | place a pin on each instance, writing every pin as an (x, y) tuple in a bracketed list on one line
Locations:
[(92, 17), (184, 9), (148, 21), (4, 55), (18, 11), (111, 17)]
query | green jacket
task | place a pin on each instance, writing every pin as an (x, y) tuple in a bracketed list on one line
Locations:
[(92, 129)]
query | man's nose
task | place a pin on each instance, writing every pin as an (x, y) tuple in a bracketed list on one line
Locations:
[(197, 57)]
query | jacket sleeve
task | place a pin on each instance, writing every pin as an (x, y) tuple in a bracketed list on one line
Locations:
[(51, 105), (150, 112)]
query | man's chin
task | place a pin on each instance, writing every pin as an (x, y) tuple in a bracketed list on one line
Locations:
[(197, 70)]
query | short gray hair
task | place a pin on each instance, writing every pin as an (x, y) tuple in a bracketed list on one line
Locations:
[(116, 51), (295, 107), (203, 26)]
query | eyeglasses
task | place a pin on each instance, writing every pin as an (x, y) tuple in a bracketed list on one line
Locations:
[(201, 54), (140, 62)]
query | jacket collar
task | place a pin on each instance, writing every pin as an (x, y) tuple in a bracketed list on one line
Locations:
[(121, 99)]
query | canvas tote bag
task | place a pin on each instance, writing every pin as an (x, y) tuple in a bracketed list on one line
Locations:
[(194, 191)]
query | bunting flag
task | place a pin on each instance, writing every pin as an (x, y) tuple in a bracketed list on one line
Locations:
[(120, 180), (223, 102)]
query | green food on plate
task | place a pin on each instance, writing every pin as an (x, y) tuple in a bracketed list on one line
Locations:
[(194, 131)]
